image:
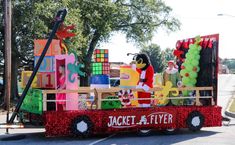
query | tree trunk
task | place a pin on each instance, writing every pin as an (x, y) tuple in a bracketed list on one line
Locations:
[(84, 81), (7, 60), (14, 76)]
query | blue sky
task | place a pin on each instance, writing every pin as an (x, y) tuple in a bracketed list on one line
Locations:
[(198, 17)]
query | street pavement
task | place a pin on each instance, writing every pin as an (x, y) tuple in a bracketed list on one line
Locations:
[(212, 135)]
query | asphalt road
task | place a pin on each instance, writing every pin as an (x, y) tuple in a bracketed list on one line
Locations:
[(214, 135)]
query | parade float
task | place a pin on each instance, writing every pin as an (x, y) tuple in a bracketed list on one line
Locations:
[(101, 109)]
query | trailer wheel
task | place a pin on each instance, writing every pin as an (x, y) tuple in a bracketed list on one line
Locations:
[(195, 121), (170, 131), (82, 126), (144, 132)]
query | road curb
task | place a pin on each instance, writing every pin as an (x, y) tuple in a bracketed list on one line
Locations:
[(230, 114), (227, 111)]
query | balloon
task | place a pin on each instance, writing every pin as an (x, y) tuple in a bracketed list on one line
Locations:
[(185, 93), (182, 72), (185, 80), (193, 81), (186, 74), (189, 68), (191, 46), (193, 74), (195, 62), (189, 84), (182, 67), (198, 69), (197, 57), (186, 62), (187, 55), (199, 48)]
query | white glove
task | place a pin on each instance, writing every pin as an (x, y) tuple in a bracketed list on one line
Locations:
[(145, 87), (133, 66), (138, 87)]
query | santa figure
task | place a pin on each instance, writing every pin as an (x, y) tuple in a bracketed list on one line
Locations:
[(146, 71)]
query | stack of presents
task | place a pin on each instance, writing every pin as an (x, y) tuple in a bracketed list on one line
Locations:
[(100, 66), (100, 77), (47, 77)]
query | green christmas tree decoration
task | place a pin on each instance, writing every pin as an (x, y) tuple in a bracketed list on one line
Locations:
[(190, 67)]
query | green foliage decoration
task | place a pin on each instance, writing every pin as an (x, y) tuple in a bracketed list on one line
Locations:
[(190, 66)]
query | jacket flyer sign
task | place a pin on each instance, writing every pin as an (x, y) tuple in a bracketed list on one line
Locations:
[(150, 118)]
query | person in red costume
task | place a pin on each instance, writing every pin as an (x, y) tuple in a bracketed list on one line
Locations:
[(146, 71)]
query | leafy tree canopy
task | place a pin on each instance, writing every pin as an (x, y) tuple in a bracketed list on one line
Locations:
[(95, 22), (168, 54), (155, 55)]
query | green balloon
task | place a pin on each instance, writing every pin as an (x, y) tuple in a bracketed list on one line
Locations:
[(198, 68), (187, 61), (185, 80), (197, 57), (185, 93), (191, 46), (189, 68), (195, 62), (186, 55), (182, 72), (193, 81), (189, 55), (193, 74), (189, 85), (199, 47)]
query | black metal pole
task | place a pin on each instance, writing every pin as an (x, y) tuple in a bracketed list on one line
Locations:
[(59, 19)]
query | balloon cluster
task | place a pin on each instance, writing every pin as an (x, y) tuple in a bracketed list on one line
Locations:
[(190, 66)]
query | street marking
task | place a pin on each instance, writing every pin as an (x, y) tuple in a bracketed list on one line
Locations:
[(100, 140)]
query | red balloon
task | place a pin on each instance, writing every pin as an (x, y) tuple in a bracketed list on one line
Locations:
[(187, 74), (195, 69)]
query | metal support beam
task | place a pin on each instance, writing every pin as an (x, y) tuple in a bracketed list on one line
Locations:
[(58, 20)]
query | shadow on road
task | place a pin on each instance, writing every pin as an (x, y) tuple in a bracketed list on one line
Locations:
[(156, 138), (120, 139)]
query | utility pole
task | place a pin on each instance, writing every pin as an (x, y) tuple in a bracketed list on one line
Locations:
[(7, 59)]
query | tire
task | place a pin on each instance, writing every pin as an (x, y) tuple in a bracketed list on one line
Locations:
[(144, 132), (170, 131), (195, 121), (82, 126)]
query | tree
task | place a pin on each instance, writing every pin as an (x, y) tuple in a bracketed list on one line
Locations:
[(1, 38), (1, 50), (168, 54), (230, 63), (94, 20), (156, 56), (137, 19), (30, 21)]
